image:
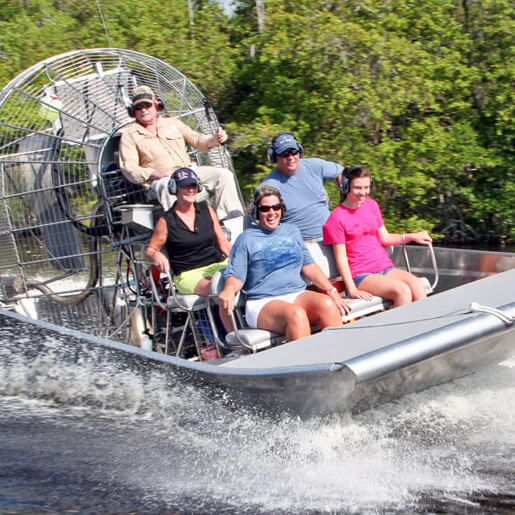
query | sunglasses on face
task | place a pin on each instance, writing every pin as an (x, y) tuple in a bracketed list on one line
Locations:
[(265, 209), (289, 152), (139, 107)]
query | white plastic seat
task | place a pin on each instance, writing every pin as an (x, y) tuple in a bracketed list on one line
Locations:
[(324, 258), (361, 308), (243, 336)]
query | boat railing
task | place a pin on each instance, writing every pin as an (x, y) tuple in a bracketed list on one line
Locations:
[(431, 251)]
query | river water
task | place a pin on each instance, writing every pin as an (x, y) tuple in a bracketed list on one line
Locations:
[(94, 436)]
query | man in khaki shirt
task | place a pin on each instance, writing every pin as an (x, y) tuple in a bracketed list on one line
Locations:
[(153, 147)]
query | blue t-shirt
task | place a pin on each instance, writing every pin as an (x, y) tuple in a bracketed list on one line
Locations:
[(307, 202), (269, 263)]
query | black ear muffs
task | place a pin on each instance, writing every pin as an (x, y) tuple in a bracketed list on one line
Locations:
[(345, 183), (172, 186), (157, 102), (270, 152)]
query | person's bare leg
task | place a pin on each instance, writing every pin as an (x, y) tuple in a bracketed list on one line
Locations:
[(320, 309), (416, 285), (388, 287), (284, 318)]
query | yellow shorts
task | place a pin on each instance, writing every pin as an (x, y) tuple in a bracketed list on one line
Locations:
[(186, 281)]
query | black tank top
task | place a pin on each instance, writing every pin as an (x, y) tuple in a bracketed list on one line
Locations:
[(191, 249)]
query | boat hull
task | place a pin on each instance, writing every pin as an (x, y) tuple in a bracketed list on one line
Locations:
[(326, 384)]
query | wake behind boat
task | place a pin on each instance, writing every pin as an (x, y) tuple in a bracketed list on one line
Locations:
[(72, 245)]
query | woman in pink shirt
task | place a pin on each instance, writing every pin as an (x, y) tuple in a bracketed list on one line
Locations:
[(358, 235)]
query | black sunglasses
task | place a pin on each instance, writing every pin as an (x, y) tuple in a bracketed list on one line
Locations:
[(265, 209), (289, 152), (139, 107)]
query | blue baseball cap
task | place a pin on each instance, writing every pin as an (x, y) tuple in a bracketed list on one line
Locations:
[(284, 142), (185, 177)]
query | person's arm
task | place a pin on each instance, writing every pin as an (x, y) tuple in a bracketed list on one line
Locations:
[(129, 161), (223, 243), (314, 273), (231, 287), (339, 180), (331, 171), (153, 250), (342, 263), (421, 237), (202, 142)]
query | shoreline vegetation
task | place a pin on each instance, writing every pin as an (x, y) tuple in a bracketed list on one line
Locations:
[(420, 93)]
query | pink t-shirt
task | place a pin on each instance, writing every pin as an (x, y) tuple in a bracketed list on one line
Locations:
[(357, 229)]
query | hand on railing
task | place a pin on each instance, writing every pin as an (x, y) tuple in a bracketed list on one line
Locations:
[(421, 237)]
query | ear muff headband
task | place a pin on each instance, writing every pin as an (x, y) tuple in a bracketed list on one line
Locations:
[(270, 152), (346, 180), (157, 102)]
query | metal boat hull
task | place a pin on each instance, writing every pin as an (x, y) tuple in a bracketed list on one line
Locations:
[(320, 374)]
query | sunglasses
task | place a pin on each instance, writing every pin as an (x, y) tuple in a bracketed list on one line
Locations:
[(139, 107), (265, 209), (289, 152)]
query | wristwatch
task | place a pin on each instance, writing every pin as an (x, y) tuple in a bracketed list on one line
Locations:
[(331, 290)]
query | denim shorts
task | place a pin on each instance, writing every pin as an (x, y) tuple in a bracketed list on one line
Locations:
[(360, 277)]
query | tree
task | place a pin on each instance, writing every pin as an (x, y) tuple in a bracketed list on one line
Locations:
[(390, 85)]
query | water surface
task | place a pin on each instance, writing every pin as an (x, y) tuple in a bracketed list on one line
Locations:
[(95, 436)]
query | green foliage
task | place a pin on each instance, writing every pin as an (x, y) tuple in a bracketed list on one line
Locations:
[(420, 92)]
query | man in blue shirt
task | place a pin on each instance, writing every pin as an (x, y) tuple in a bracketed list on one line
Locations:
[(301, 184)]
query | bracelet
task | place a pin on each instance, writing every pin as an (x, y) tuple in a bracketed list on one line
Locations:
[(404, 239), (331, 290)]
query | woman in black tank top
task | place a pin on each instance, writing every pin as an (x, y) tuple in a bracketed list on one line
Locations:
[(192, 236)]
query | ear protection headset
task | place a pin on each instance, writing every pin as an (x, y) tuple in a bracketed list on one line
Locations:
[(346, 178), (270, 152), (157, 102), (254, 211), (172, 183)]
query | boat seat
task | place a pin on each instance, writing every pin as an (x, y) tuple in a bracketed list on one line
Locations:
[(361, 308), (199, 322), (243, 336), (324, 258), (186, 302), (252, 339), (233, 227)]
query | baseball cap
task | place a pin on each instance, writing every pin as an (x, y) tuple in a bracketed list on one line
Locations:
[(284, 142), (185, 177), (142, 94)]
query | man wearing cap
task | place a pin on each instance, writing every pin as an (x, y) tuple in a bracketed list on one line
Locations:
[(153, 147), (301, 184)]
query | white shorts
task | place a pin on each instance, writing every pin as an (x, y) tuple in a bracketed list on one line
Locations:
[(254, 307)]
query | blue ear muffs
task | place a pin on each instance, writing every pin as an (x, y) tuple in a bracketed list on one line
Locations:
[(172, 187), (270, 151), (346, 180)]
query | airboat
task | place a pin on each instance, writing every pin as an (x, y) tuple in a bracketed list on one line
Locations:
[(73, 232)]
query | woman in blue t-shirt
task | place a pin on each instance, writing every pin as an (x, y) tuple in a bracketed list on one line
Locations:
[(266, 262)]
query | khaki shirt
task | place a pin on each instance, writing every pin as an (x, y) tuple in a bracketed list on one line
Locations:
[(141, 152)]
